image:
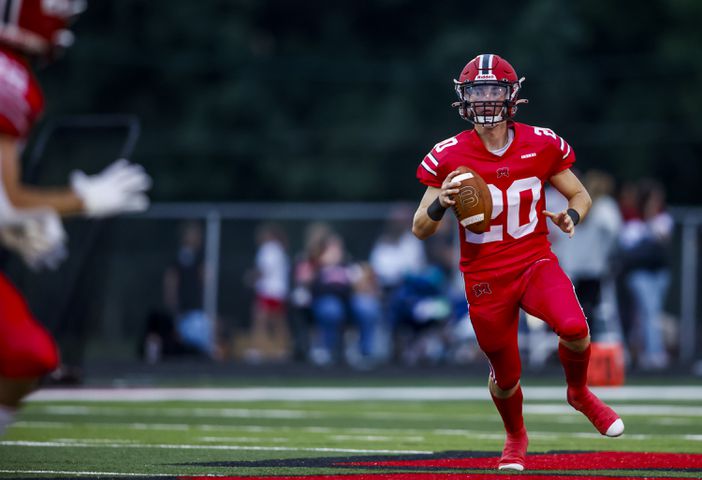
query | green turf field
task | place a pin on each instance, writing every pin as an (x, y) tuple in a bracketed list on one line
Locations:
[(76, 437)]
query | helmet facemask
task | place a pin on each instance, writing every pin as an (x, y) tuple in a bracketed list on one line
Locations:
[(487, 102)]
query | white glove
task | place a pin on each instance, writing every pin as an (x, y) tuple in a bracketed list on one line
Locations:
[(39, 240), (117, 189)]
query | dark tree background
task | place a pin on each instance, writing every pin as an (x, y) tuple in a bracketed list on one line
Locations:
[(317, 100)]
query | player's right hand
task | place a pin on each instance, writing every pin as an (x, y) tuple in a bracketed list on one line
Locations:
[(120, 188), (448, 189)]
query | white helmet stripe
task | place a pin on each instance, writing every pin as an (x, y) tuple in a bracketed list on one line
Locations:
[(484, 65)]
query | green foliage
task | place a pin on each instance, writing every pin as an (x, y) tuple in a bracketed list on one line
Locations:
[(279, 100)]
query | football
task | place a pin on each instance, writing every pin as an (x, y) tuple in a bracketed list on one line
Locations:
[(473, 206)]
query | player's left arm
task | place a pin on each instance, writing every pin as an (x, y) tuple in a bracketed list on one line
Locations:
[(579, 201)]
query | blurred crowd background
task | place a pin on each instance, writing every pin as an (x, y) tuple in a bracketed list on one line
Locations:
[(283, 139)]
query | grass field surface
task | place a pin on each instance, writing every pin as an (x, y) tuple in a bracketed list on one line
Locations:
[(404, 432)]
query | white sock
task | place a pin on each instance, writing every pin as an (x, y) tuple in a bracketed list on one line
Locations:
[(7, 416)]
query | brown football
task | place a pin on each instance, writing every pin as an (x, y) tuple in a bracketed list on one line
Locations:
[(473, 205)]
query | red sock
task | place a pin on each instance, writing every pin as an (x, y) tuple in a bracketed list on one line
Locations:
[(511, 410), (575, 365)]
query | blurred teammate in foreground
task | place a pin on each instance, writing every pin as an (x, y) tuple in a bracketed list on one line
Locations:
[(30, 224), (511, 265)]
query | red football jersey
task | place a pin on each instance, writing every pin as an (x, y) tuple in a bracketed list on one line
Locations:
[(516, 180), (21, 99)]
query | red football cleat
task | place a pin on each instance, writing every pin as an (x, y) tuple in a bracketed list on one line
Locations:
[(514, 453), (605, 420)]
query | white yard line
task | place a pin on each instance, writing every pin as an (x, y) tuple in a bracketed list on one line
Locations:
[(622, 409), (116, 443), (167, 446), (664, 392), (112, 474), (244, 439), (250, 413), (376, 438), (80, 410)]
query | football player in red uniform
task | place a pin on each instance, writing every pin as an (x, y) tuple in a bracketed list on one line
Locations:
[(29, 216), (511, 265)]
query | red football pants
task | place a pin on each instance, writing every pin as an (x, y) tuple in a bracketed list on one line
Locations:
[(494, 298), (26, 348)]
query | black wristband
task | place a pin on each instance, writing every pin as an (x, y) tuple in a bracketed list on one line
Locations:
[(574, 215), (436, 210)]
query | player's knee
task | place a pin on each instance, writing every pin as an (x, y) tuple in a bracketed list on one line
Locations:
[(30, 359), (508, 384), (574, 329), (506, 381)]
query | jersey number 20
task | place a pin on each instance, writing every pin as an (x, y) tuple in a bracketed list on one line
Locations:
[(514, 229)]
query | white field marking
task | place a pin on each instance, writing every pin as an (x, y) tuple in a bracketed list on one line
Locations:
[(394, 432), (113, 443), (230, 413), (110, 474), (668, 392), (566, 419), (127, 426), (77, 410), (676, 422), (621, 409), (209, 447), (217, 428), (376, 438), (180, 412), (243, 439), (96, 441), (535, 409)]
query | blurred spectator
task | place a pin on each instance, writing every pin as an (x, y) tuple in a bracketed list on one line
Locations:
[(420, 311), (397, 252), (587, 256), (303, 275), (160, 338), (270, 335), (644, 245), (183, 285), (335, 301)]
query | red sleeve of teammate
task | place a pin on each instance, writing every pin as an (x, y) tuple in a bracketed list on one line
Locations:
[(21, 100)]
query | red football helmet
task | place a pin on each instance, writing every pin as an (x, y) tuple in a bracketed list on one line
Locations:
[(488, 88), (38, 27)]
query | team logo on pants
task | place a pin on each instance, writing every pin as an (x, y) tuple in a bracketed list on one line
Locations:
[(481, 288)]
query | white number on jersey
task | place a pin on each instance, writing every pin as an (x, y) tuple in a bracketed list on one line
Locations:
[(514, 229), (545, 131), (449, 142)]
